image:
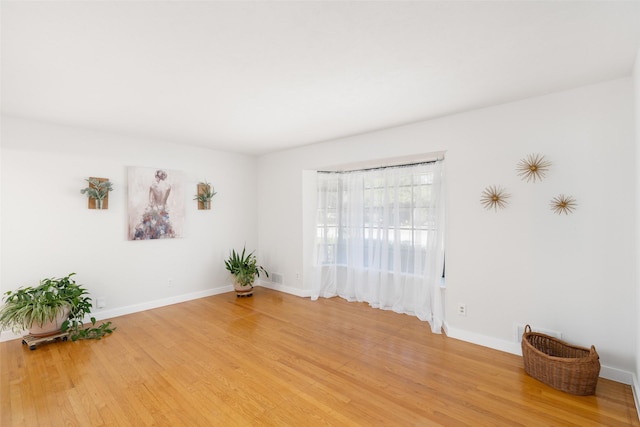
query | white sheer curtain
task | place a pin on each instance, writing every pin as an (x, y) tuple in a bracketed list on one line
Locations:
[(380, 239)]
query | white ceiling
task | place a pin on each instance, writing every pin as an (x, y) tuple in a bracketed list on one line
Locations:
[(256, 77)]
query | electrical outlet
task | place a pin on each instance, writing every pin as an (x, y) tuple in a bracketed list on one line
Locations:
[(462, 309), (101, 302), (170, 282)]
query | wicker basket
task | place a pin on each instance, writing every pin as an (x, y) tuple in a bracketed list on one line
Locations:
[(562, 366)]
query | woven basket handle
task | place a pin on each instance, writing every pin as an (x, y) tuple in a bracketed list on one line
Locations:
[(527, 329)]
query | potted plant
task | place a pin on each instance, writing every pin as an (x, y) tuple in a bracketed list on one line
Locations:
[(244, 268), (97, 190), (54, 306), (205, 194)]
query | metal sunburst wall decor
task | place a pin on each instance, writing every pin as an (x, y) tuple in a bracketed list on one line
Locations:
[(563, 204), (533, 167), (494, 197)]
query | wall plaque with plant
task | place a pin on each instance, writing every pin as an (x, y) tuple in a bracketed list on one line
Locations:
[(98, 192), (204, 195)]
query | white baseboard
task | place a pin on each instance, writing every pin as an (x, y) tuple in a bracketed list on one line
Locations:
[(483, 340), (285, 289), (135, 308), (614, 374), (148, 305), (8, 335), (618, 375)]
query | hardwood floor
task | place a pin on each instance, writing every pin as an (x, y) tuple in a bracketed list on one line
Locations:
[(279, 360)]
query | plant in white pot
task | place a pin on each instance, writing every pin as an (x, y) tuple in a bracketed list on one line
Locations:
[(244, 268), (54, 306)]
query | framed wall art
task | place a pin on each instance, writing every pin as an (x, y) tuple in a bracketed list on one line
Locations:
[(155, 203)]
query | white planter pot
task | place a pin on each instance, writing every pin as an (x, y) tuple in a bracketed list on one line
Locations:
[(242, 291), (50, 328)]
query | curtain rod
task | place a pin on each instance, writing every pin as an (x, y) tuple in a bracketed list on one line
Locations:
[(404, 165)]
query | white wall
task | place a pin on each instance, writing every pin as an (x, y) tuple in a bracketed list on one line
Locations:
[(48, 231), (573, 274)]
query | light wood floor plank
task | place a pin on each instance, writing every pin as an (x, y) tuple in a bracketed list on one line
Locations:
[(278, 360)]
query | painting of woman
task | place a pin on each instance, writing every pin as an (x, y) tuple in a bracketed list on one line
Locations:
[(151, 219)]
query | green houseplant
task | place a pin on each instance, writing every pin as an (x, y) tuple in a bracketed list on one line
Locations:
[(205, 194), (97, 190), (244, 268), (56, 304)]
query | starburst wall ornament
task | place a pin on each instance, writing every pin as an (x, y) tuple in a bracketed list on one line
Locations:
[(533, 167), (563, 204), (494, 197)]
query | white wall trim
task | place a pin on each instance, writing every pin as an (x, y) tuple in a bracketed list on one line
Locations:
[(135, 308), (286, 289), (483, 340), (8, 335), (614, 374)]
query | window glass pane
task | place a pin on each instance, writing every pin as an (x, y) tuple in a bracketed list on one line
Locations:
[(331, 200), (378, 197), (422, 178), (405, 180), (421, 195), (420, 217), (420, 238), (405, 216), (406, 236), (405, 196)]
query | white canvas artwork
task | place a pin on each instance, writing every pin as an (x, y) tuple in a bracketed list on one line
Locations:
[(156, 203)]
